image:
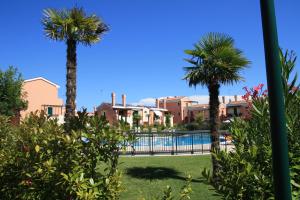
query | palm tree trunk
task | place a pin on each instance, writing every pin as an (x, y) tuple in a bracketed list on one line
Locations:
[(71, 79), (214, 117)]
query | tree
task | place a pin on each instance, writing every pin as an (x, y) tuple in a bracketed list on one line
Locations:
[(214, 61), (11, 96), (199, 118), (136, 118), (73, 27), (168, 120)]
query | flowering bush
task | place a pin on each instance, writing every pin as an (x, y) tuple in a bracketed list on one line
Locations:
[(254, 93)]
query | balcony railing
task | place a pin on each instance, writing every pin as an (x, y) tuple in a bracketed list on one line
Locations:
[(53, 110)]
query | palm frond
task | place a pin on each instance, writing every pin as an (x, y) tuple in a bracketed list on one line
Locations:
[(215, 59), (54, 24), (73, 24)]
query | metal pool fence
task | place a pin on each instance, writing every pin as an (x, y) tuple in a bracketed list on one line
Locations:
[(174, 142)]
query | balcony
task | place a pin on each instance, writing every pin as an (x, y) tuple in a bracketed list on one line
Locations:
[(53, 110)]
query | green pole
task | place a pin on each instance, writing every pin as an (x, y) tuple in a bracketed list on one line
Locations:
[(281, 171)]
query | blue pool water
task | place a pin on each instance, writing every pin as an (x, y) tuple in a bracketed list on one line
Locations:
[(169, 141)]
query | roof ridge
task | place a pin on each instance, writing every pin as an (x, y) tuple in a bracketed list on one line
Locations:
[(41, 78)]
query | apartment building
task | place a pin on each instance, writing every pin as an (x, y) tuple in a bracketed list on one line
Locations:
[(228, 109), (203, 109), (114, 112), (181, 108), (185, 110), (177, 106)]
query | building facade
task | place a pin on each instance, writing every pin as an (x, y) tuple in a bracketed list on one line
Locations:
[(42, 95), (177, 106), (181, 109), (203, 110), (133, 115), (185, 110)]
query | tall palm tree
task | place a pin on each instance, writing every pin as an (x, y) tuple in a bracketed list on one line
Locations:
[(215, 61), (73, 27)]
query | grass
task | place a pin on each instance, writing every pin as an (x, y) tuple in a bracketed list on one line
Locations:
[(148, 176)]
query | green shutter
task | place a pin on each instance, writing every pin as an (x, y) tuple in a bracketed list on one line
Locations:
[(50, 111)]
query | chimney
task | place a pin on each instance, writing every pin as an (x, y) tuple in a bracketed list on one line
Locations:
[(113, 99), (165, 103), (235, 97), (157, 103), (223, 99), (124, 100)]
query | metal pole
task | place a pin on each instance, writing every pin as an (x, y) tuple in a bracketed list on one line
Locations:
[(172, 152), (152, 152), (281, 171), (176, 136), (149, 141), (192, 152), (202, 142)]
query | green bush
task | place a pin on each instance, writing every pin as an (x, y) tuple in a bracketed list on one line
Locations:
[(196, 126), (246, 172), (39, 160)]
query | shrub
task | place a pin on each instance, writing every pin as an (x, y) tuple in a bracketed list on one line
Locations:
[(196, 126), (39, 160)]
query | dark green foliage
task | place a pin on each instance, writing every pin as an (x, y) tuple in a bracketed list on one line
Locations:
[(199, 119), (40, 161), (168, 120), (196, 126), (192, 126), (246, 172), (11, 96), (136, 119), (82, 122)]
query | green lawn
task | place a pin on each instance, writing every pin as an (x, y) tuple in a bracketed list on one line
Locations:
[(148, 176)]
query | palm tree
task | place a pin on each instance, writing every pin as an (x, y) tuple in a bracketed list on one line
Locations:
[(73, 27), (136, 119), (215, 61)]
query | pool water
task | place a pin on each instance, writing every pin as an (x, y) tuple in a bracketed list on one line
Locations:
[(169, 141)]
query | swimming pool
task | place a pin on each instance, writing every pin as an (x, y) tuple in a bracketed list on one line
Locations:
[(152, 143), (170, 141)]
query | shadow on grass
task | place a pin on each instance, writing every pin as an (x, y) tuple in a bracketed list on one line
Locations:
[(158, 173)]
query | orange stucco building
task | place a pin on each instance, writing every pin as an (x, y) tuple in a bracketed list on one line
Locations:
[(185, 110), (115, 112), (182, 109), (42, 95), (177, 106)]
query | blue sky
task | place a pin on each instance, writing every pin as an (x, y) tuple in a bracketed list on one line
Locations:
[(142, 55)]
